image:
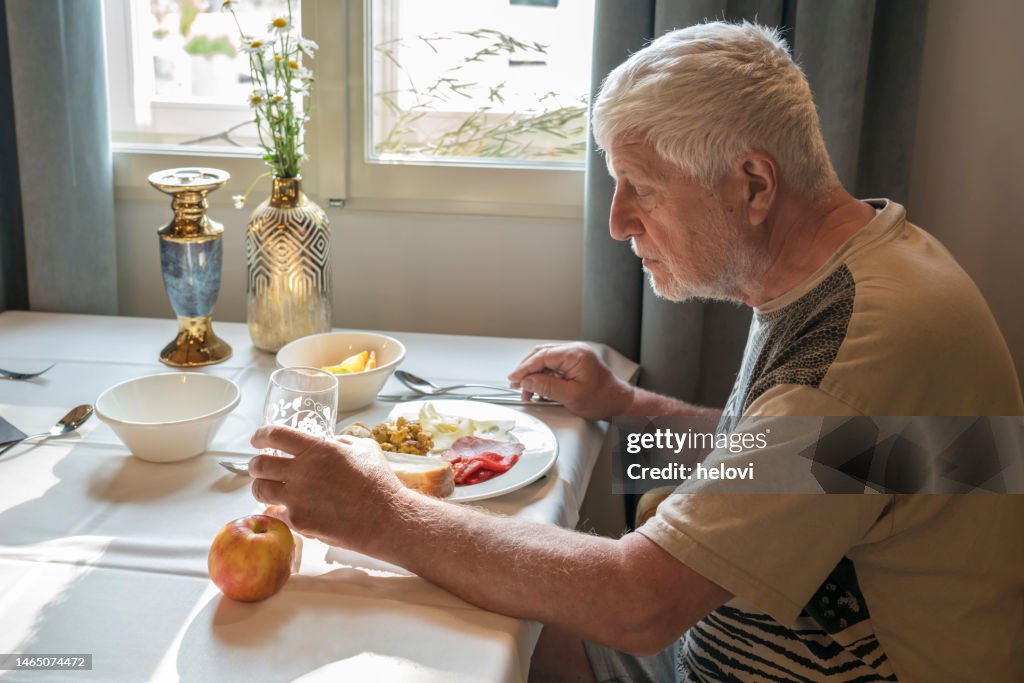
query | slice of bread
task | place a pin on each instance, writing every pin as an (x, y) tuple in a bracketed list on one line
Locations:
[(427, 475)]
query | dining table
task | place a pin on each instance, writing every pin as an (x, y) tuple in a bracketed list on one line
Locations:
[(103, 556)]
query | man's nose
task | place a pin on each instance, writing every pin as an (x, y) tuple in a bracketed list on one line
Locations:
[(623, 222)]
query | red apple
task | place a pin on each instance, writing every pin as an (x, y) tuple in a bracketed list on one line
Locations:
[(251, 557)]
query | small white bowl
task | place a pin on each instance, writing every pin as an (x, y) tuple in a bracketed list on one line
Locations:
[(355, 390), (168, 417)]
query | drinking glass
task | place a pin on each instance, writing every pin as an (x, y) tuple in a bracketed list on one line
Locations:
[(303, 398)]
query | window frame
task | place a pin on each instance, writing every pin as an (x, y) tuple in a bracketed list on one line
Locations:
[(339, 173)]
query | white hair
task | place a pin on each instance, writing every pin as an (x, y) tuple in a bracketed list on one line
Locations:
[(704, 95)]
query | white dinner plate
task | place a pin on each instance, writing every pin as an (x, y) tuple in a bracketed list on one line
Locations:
[(541, 446)]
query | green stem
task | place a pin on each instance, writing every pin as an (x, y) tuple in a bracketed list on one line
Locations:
[(248, 190), (277, 126)]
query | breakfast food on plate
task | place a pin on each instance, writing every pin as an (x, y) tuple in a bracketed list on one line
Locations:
[(437, 452), (446, 429), (431, 476), (403, 436), (476, 460), (359, 362)]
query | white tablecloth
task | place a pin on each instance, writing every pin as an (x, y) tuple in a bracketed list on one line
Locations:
[(104, 554)]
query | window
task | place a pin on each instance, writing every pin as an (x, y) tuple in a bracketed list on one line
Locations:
[(523, 74), (177, 75), (501, 82)]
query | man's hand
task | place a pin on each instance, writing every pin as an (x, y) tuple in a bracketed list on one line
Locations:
[(573, 375), (331, 490)]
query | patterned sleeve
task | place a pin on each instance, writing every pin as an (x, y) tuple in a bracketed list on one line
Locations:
[(772, 550)]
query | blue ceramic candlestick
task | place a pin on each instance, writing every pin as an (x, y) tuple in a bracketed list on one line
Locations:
[(191, 253)]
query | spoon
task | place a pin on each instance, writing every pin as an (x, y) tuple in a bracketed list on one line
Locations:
[(11, 374), (75, 418), (428, 388), (233, 467)]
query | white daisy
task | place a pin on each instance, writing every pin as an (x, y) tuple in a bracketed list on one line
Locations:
[(299, 72), (257, 98), (279, 25), (308, 47), (254, 45), (239, 200), (230, 5)]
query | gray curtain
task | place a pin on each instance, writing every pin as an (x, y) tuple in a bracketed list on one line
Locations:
[(13, 282), (861, 58), (64, 167)]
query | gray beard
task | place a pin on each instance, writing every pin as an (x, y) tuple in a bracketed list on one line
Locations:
[(728, 266), (737, 269)]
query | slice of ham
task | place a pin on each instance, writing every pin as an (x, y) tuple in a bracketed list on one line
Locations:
[(475, 459)]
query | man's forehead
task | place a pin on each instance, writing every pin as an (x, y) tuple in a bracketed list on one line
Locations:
[(630, 149), (636, 156)]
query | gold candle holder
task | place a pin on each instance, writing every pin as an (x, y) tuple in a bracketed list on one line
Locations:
[(191, 256)]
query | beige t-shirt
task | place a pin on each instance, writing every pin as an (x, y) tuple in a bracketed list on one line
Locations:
[(863, 587)]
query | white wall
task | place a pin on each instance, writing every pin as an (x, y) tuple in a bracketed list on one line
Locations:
[(490, 276), (967, 181)]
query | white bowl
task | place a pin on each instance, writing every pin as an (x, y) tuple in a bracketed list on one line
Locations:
[(168, 417), (355, 390)]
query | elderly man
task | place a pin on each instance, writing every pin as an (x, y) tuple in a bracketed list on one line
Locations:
[(725, 190)]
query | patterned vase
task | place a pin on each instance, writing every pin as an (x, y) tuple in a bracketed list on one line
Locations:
[(191, 251), (288, 252)]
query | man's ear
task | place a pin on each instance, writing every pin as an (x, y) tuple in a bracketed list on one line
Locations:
[(760, 182)]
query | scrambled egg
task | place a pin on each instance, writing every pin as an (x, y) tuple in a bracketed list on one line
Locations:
[(403, 436)]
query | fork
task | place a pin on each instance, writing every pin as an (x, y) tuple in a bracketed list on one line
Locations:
[(10, 374)]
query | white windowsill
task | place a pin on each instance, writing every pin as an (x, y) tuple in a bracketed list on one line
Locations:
[(133, 162)]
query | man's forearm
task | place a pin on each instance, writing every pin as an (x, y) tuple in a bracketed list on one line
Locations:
[(514, 567), (645, 402)]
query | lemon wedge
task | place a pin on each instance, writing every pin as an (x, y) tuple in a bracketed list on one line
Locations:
[(354, 363)]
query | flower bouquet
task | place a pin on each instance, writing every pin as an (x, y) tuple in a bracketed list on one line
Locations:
[(275, 65), (288, 291)]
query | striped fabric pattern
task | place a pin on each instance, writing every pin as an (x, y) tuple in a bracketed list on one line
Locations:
[(736, 645)]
